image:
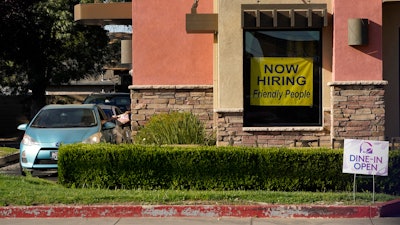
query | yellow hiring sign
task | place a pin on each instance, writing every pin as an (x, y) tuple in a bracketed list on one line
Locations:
[(281, 81)]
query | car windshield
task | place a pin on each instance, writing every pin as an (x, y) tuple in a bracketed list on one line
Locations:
[(65, 118)]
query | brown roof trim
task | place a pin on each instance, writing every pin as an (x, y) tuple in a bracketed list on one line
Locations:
[(118, 13)]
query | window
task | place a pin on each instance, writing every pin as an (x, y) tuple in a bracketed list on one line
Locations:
[(64, 118), (282, 78)]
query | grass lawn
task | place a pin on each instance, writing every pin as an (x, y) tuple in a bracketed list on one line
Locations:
[(29, 190), (4, 151)]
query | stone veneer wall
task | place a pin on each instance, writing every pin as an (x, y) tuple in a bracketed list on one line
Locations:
[(358, 110), (150, 100), (230, 131)]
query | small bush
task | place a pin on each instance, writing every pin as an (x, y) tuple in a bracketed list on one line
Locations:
[(173, 128)]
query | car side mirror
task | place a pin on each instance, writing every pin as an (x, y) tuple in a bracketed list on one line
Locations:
[(22, 126), (108, 126)]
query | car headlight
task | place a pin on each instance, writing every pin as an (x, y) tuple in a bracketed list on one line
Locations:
[(28, 140), (95, 138)]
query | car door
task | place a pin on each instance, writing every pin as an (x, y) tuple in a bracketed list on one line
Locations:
[(106, 127)]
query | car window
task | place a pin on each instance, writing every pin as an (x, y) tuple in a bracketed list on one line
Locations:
[(121, 101), (64, 118), (103, 115), (95, 100), (108, 112)]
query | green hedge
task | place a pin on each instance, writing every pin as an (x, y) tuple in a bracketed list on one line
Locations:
[(213, 168)]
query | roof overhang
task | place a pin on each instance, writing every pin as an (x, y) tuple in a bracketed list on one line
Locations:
[(115, 13)]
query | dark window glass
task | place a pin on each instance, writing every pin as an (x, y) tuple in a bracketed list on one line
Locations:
[(64, 118), (282, 78)]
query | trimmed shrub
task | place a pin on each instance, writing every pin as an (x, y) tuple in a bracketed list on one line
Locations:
[(213, 168)]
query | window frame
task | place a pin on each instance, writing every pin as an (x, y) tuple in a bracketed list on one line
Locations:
[(251, 113)]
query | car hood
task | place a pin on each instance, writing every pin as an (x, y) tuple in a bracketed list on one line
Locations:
[(61, 135)]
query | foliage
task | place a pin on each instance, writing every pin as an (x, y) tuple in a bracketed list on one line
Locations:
[(211, 168), (45, 46), (173, 128)]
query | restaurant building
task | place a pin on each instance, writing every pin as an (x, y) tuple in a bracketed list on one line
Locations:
[(269, 72)]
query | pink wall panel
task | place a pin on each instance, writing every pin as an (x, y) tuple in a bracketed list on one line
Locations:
[(351, 63), (163, 53)]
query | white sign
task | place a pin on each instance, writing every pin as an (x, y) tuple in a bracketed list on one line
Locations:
[(366, 157)]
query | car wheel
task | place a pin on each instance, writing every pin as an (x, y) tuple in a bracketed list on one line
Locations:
[(22, 170)]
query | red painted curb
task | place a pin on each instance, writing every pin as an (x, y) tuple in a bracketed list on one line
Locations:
[(260, 211)]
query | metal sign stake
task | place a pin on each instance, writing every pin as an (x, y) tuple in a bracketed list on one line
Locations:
[(355, 188), (373, 189)]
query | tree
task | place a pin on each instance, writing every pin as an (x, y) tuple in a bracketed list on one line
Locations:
[(41, 45)]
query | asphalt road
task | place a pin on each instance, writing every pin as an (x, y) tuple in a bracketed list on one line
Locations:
[(14, 169)]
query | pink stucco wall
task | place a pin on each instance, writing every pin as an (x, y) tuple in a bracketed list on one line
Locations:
[(352, 63), (163, 53)]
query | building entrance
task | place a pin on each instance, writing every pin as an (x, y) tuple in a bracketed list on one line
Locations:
[(391, 67)]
